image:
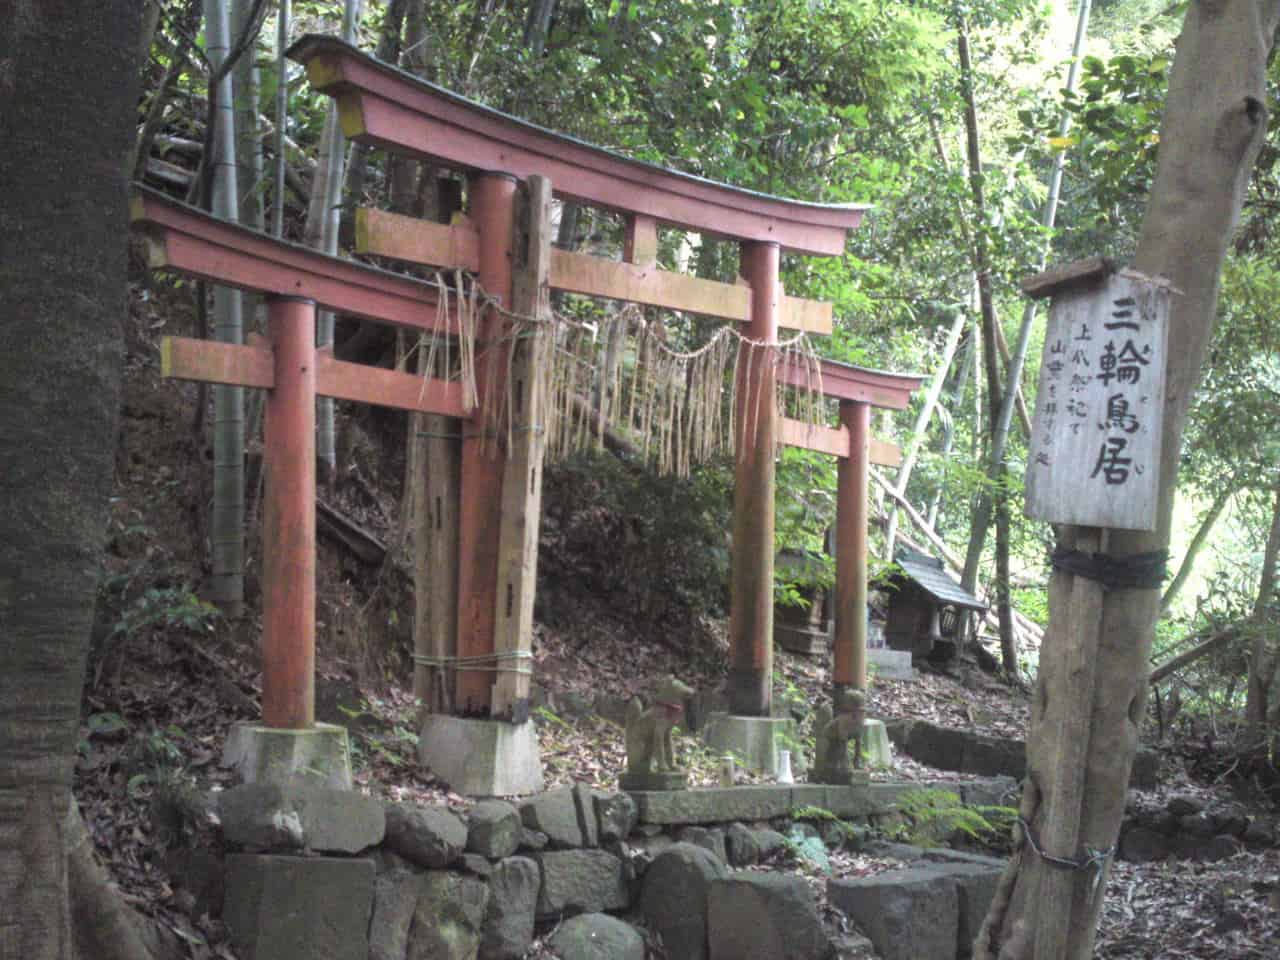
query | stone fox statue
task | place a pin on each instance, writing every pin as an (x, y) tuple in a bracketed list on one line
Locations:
[(649, 747), (832, 733)]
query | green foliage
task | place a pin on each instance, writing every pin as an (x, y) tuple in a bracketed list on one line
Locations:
[(933, 816), (656, 546), (165, 608)]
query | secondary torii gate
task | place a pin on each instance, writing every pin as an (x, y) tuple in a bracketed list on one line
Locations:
[(497, 513)]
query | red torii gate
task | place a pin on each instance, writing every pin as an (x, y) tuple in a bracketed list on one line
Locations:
[(497, 548)]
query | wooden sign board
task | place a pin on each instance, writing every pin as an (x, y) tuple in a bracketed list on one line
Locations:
[(1095, 446)]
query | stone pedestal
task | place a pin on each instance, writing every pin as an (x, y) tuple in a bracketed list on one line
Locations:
[(319, 755), (875, 745), (481, 758), (752, 740)]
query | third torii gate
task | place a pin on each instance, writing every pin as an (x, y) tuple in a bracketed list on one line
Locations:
[(504, 241)]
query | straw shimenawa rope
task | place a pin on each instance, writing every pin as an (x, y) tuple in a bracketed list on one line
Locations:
[(677, 407)]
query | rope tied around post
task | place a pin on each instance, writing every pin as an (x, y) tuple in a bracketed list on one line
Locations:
[(1139, 571), (485, 663)]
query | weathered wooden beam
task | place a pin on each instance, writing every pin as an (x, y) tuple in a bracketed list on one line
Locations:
[(250, 365), (350, 534), (647, 284), (521, 506), (392, 235), (847, 382), (637, 280), (385, 107), (209, 361), (388, 388), (835, 441), (192, 242)]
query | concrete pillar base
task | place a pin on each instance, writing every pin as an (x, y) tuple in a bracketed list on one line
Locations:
[(481, 758), (319, 755), (754, 741)]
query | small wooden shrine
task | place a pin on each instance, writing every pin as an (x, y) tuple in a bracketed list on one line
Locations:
[(927, 609)]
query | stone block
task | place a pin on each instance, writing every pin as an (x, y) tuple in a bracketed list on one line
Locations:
[(513, 899), (975, 889), (886, 664), (291, 908), (299, 815), (493, 829), (1145, 773), (554, 814), (713, 840), (448, 918), (320, 755), (992, 757), (752, 740), (587, 822), (673, 898), (597, 936), (991, 792), (395, 898), (935, 746), (714, 805), (615, 815), (580, 881), (764, 916), (482, 758), (804, 641), (910, 914), (427, 836)]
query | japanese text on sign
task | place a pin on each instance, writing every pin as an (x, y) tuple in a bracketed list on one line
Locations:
[(1095, 444)]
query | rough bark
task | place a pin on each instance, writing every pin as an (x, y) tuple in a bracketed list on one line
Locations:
[(69, 84), (1214, 123)]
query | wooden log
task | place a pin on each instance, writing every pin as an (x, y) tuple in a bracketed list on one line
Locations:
[(521, 505), (337, 526)]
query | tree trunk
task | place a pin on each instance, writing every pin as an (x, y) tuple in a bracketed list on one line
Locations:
[(990, 357), (69, 82), (1193, 549), (1214, 123), (1262, 662)]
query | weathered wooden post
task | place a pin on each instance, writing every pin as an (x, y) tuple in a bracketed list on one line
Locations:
[(493, 210), (850, 648), (289, 523), (751, 597)]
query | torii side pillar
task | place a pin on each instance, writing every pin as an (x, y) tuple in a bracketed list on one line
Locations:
[(849, 653)]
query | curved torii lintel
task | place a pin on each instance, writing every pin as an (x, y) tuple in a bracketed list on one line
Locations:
[(384, 106)]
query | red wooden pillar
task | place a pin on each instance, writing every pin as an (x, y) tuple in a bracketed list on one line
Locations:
[(851, 550), (493, 210), (751, 589), (289, 525)]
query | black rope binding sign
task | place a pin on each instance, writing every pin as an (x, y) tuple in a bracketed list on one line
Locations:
[(1139, 571)]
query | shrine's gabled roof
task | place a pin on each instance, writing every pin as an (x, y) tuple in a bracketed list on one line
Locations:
[(387, 107), (931, 576)]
